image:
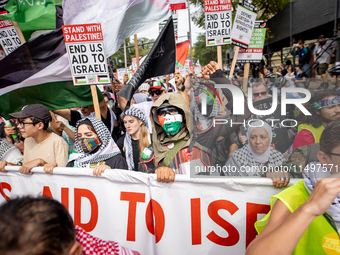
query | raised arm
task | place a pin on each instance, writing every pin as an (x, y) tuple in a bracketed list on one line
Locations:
[(285, 229)]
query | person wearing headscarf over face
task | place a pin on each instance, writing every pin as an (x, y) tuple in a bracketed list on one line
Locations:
[(137, 142), (95, 148), (257, 157), (172, 129)]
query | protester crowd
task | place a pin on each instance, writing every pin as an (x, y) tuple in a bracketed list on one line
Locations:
[(168, 127)]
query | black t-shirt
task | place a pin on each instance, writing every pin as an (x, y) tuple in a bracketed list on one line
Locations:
[(135, 150), (116, 162), (75, 116)]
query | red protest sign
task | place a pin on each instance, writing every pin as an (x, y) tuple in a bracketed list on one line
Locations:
[(217, 5), (83, 33)]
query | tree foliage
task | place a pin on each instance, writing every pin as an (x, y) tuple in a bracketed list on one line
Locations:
[(118, 57), (206, 54)]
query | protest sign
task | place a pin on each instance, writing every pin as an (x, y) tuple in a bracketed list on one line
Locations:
[(243, 24), (177, 4), (120, 72), (175, 20), (255, 49), (85, 48), (9, 37), (144, 215), (280, 140), (217, 21)]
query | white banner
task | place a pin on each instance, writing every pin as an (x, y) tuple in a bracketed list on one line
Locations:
[(189, 216)]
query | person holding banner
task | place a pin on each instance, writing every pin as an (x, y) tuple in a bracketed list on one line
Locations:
[(304, 218), (258, 158), (41, 146), (172, 128), (137, 142), (95, 148)]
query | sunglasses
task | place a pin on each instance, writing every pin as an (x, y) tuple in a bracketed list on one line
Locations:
[(157, 92), (260, 93)]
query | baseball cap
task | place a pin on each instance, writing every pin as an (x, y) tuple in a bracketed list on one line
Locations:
[(321, 36), (157, 85), (33, 110), (144, 86), (269, 68)]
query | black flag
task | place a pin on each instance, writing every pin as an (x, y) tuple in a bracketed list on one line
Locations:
[(161, 60)]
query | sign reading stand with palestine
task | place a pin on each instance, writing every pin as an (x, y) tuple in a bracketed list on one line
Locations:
[(217, 21), (243, 24), (85, 48), (255, 49)]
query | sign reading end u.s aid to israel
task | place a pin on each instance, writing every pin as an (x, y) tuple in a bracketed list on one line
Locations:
[(255, 49), (243, 24), (9, 37), (85, 48), (217, 22)]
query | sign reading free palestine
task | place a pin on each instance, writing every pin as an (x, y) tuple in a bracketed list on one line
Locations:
[(85, 48), (255, 49), (217, 22)]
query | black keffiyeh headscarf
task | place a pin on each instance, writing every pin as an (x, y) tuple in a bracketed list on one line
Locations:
[(106, 150), (127, 141)]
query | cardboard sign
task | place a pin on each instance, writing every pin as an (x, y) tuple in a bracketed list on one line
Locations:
[(175, 21), (280, 139), (9, 38), (255, 49), (85, 48), (217, 21), (243, 25)]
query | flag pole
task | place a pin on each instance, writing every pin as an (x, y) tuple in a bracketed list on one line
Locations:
[(17, 27), (220, 92), (95, 101), (136, 50), (190, 33), (125, 60), (234, 62), (245, 79)]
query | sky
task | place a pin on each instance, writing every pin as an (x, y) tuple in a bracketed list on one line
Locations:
[(183, 27)]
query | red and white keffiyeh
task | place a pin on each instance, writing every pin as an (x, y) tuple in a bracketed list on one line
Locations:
[(96, 246)]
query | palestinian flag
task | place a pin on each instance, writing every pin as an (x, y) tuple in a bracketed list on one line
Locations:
[(39, 72), (182, 53), (103, 79), (210, 42), (80, 80)]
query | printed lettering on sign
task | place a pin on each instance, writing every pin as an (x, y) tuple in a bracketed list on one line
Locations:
[(85, 48)]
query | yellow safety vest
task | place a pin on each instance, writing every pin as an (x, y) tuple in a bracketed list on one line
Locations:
[(320, 237), (315, 131)]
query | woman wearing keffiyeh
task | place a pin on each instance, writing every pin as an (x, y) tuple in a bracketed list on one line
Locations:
[(257, 153), (95, 148), (305, 218), (137, 144)]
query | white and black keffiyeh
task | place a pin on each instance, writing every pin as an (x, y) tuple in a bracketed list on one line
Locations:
[(247, 157), (127, 141), (243, 157), (312, 172), (5, 146), (107, 149)]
